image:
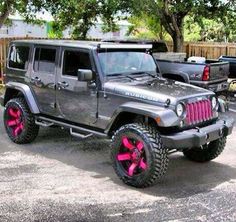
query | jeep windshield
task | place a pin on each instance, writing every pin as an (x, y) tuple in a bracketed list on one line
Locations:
[(115, 63)]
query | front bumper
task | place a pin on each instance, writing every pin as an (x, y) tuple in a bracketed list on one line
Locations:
[(198, 136)]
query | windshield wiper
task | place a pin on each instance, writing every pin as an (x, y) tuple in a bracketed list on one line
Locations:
[(143, 72), (121, 75), (132, 73), (115, 74)]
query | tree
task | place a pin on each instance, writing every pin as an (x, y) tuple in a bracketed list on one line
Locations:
[(172, 13), (27, 8), (80, 15), (6, 8), (219, 25), (146, 26)]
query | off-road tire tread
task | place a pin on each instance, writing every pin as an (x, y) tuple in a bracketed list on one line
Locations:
[(213, 150), (161, 160), (32, 129)]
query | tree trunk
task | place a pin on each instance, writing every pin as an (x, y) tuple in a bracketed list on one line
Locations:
[(7, 5), (3, 17), (161, 32), (178, 42), (84, 33)]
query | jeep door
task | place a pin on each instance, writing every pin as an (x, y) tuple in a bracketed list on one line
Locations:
[(43, 77), (76, 100)]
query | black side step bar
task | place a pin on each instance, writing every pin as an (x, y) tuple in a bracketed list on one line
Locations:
[(80, 135), (44, 121)]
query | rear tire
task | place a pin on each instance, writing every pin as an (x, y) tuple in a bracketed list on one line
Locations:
[(19, 122), (207, 152), (138, 155)]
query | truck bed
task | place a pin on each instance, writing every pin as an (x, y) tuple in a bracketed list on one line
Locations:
[(193, 73), (232, 64)]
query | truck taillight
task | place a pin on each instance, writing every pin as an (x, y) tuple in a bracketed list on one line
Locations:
[(206, 73)]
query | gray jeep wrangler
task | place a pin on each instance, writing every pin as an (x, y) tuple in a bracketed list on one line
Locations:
[(111, 90)]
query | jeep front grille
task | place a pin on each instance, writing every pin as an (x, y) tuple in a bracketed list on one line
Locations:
[(198, 112)]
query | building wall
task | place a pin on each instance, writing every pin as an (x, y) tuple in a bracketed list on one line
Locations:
[(20, 29), (96, 32)]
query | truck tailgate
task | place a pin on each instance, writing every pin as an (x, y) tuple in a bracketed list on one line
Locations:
[(219, 70), (232, 64)]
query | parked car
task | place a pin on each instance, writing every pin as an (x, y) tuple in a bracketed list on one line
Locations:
[(208, 74), (232, 64), (114, 91)]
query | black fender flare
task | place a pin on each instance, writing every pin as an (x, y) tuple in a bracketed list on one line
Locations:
[(28, 95), (166, 117)]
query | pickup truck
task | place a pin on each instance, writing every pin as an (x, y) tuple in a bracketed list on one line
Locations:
[(211, 74), (232, 64), (208, 74)]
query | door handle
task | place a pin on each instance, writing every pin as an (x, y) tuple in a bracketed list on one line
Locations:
[(36, 79), (92, 85), (63, 85)]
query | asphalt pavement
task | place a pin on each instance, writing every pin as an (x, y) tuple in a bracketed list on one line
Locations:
[(61, 178)]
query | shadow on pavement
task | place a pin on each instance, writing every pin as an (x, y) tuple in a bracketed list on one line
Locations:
[(183, 179)]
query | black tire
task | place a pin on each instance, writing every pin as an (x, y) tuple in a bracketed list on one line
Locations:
[(25, 121), (153, 153), (207, 152)]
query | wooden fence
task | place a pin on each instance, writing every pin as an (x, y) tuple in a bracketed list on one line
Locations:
[(210, 50), (204, 49)]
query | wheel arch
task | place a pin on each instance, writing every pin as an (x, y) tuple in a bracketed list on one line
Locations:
[(131, 112), (126, 117), (14, 90), (181, 77)]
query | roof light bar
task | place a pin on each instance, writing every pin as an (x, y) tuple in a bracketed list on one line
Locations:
[(124, 46)]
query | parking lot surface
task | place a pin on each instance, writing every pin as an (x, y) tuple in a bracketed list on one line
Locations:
[(61, 178)]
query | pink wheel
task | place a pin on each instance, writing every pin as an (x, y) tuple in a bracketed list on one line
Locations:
[(138, 156), (132, 156), (19, 121), (15, 121)]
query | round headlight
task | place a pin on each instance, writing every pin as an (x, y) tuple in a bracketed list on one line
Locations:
[(180, 109), (213, 102)]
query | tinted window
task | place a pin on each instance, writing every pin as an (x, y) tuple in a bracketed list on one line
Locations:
[(44, 60), (124, 62), (159, 47), (18, 57), (74, 60)]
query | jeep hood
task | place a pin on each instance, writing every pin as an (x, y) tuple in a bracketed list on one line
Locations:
[(158, 90)]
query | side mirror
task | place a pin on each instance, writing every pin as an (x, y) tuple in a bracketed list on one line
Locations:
[(85, 75)]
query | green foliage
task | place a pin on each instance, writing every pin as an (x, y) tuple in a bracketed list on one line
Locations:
[(8, 22), (109, 26), (54, 32), (210, 30), (27, 8), (210, 20), (146, 26), (80, 15), (172, 14)]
